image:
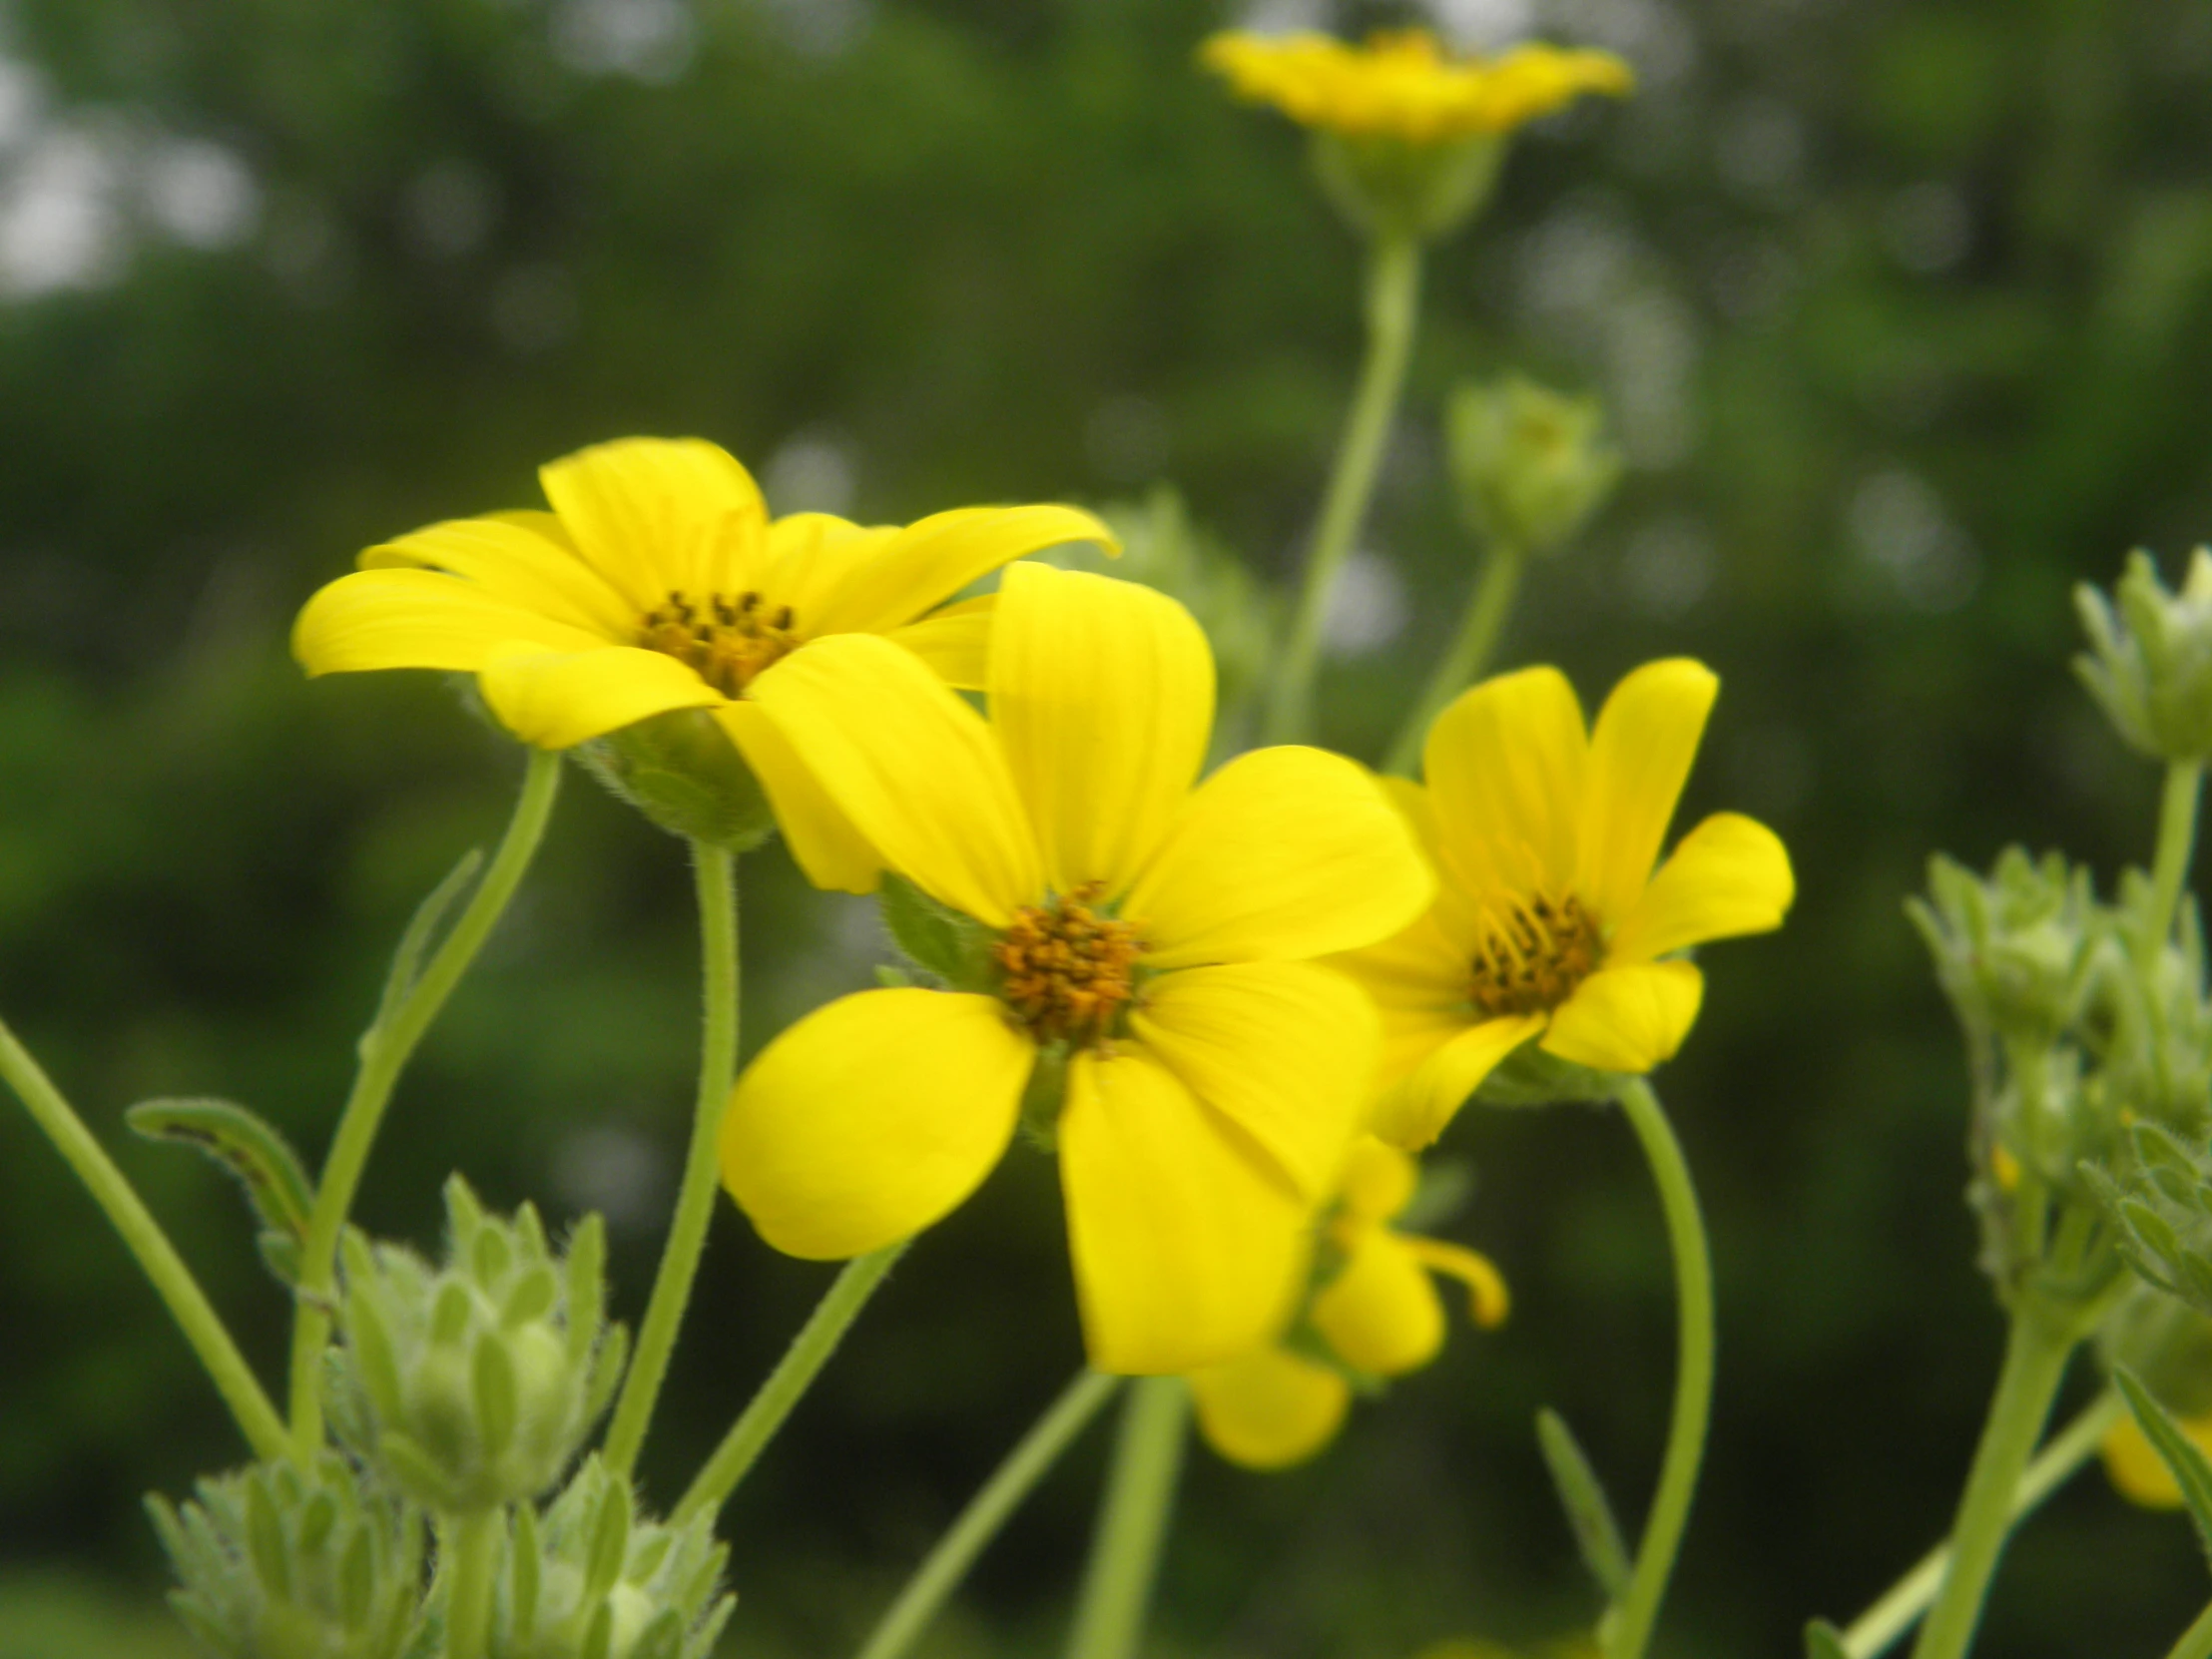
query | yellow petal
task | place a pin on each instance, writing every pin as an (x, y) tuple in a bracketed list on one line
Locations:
[(935, 558), (872, 1118), (1268, 1409), (524, 558), (1412, 1113), (1381, 1313), (954, 640), (810, 557), (556, 698), (822, 838), (1283, 854), (1627, 1018), (419, 619), (1420, 968), (1730, 876), (1647, 735), (1282, 1049), (1487, 1299), (1379, 1182), (912, 766), (657, 517), (1102, 696), (1189, 1245), (1505, 765)]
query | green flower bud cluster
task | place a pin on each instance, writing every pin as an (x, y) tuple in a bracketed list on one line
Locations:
[(1530, 464), (2019, 952), (2160, 1201), (282, 1562), (472, 1384), (591, 1579), (2149, 662)]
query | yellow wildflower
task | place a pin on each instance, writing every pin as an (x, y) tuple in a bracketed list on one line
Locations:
[(1378, 1314), (658, 582), (1158, 937), (1551, 920), (1401, 85), (2137, 1472)]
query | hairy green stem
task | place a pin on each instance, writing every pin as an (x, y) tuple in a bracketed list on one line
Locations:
[(1464, 658), (470, 1544), (112, 1191), (946, 1565), (2177, 840), (787, 1385), (2196, 1641), (1638, 1609), (1393, 304), (1876, 1630), (2036, 1354), (715, 869), (384, 1052), (1133, 1522)]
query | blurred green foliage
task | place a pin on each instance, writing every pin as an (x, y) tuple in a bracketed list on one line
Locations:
[(1902, 313)]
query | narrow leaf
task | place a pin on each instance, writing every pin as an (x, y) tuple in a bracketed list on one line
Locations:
[(2191, 1471), (260, 1158), (415, 943), (1596, 1531), (1823, 1641)]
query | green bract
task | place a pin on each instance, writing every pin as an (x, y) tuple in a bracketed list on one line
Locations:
[(472, 1384)]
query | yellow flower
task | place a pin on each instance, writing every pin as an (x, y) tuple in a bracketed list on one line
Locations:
[(659, 582), (1159, 937), (1401, 85), (1550, 921), (1378, 1314), (2137, 1472)]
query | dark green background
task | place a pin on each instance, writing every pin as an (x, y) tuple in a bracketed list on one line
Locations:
[(1903, 310)]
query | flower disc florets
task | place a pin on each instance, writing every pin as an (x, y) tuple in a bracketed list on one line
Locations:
[(725, 641), (1531, 960), (1070, 971)]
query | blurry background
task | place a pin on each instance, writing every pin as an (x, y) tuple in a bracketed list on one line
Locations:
[(1903, 315)]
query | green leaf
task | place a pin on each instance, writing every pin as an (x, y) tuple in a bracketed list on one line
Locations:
[(260, 1158), (1595, 1530), (2191, 1471), (415, 943), (937, 938), (1823, 1641)]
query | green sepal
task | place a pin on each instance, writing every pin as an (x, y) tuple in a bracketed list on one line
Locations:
[(1596, 1533), (2188, 1466), (260, 1160), (1043, 1096), (1823, 1641), (663, 1638), (1391, 187), (610, 1541), (1530, 1077), (680, 771), (894, 978), (941, 941), (492, 1381)]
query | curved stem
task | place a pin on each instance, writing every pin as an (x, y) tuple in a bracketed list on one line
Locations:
[(112, 1192), (1464, 658), (471, 1545), (1393, 297), (941, 1571), (1140, 1496), (2196, 1641), (2177, 840), (787, 1385), (695, 1199), (2035, 1355), (384, 1052), (1873, 1631), (1638, 1609)]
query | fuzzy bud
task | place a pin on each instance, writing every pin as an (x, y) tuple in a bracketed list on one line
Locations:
[(2149, 662), (1530, 464), (2019, 952)]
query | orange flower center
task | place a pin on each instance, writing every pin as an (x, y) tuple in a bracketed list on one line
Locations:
[(1536, 951), (1069, 970), (725, 641)]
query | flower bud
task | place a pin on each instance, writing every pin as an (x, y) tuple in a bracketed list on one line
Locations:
[(280, 1562), (2149, 662), (1530, 464), (472, 1384), (1388, 185), (681, 770), (591, 1579), (2017, 953), (2158, 1056)]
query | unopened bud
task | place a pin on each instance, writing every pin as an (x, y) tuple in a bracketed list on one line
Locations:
[(2019, 952), (2149, 662), (1531, 465), (472, 1384)]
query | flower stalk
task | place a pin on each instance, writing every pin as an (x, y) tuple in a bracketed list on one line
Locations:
[(142, 1234), (715, 872), (1394, 302), (471, 1543), (787, 1384), (384, 1054), (947, 1563), (2177, 841), (1638, 1609), (1467, 655), (1133, 1524)]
